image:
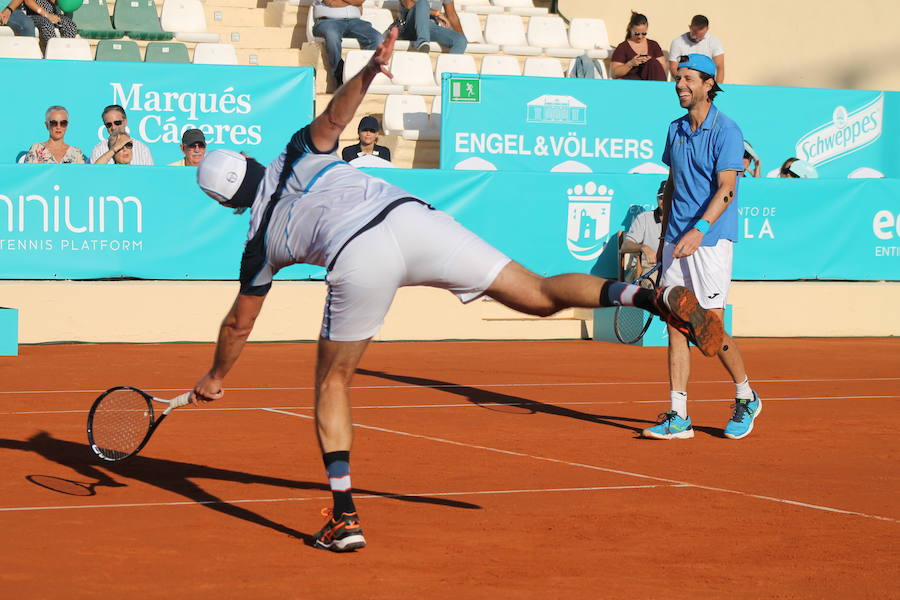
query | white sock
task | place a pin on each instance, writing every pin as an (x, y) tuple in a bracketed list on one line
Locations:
[(742, 390), (679, 403)]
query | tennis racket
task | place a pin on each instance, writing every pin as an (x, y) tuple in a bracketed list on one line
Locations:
[(122, 420), (630, 324)]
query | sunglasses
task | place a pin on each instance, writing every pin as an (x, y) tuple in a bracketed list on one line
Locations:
[(636, 34), (63, 123), (109, 124), (198, 145), (128, 145)]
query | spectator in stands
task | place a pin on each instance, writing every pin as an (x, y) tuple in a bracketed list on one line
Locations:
[(698, 40), (49, 18), (55, 149), (115, 120), (643, 238), (638, 57), (368, 136), (14, 17), (193, 145), (337, 19), (421, 22), (795, 168), (751, 161), (120, 149)]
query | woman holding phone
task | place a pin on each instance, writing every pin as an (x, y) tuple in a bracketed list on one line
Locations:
[(638, 57)]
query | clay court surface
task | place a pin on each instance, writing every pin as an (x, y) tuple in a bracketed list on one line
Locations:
[(482, 470)]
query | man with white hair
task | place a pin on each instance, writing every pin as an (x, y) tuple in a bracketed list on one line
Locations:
[(308, 206)]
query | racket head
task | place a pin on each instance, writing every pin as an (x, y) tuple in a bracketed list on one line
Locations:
[(630, 324), (120, 422)]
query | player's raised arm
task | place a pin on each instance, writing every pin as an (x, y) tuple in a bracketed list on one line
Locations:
[(326, 129)]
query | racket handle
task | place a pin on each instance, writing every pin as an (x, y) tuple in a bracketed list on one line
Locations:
[(180, 400)]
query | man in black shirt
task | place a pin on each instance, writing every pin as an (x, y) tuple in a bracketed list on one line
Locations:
[(368, 135)]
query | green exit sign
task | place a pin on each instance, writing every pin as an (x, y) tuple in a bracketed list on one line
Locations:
[(465, 90)]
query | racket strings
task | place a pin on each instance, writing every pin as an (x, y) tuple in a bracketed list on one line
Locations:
[(120, 423)]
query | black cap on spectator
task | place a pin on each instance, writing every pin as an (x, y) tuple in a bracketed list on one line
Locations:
[(369, 123), (192, 136)]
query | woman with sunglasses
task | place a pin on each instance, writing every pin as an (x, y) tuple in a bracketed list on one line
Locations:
[(55, 150), (121, 150), (638, 57), (115, 120)]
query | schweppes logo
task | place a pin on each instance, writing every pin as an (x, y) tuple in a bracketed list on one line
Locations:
[(846, 133)]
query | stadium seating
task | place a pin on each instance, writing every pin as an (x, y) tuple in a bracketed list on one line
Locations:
[(68, 49), (471, 26), (413, 71), (495, 64), (590, 35), (542, 66), (215, 54), (19, 47), (93, 21), (549, 33), (139, 20), (599, 69), (123, 50), (356, 60), (187, 20), (454, 63), (520, 7), (167, 52), (481, 7), (6, 31), (508, 32), (407, 115)]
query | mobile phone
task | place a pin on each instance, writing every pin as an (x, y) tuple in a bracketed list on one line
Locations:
[(643, 55)]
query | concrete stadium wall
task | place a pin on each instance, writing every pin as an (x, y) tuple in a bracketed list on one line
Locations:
[(159, 311), (828, 43)]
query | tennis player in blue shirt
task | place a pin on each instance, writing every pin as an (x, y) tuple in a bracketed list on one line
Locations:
[(704, 150)]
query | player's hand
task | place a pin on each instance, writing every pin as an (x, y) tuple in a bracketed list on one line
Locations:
[(5, 14), (383, 53), (688, 244), (209, 388)]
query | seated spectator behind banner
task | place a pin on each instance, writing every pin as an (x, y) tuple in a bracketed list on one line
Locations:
[(368, 136), (751, 161), (16, 19), (795, 168), (120, 149), (643, 238), (337, 19), (193, 145), (422, 22), (55, 150), (698, 40), (115, 120), (638, 57), (49, 18)]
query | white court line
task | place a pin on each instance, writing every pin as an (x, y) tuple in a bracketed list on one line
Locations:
[(606, 469), (604, 488), (467, 404), (464, 385)]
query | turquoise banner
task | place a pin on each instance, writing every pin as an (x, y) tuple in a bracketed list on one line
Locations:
[(496, 122), (249, 109), (100, 221)]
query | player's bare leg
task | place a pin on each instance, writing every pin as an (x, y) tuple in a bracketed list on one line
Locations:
[(730, 355), (335, 366)]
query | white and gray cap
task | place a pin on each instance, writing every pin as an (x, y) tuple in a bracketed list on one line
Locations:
[(221, 173)]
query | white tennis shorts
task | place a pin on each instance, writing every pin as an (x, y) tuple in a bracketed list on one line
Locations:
[(706, 272), (414, 245)]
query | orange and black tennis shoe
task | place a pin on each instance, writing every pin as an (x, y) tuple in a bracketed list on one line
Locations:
[(343, 534), (679, 308)]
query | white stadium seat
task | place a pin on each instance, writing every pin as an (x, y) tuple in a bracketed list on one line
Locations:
[(508, 32), (542, 66), (495, 64), (353, 64), (381, 19), (68, 49), (549, 33), (454, 63), (215, 54), (590, 35), (20, 47), (414, 72), (471, 26), (520, 7), (187, 20), (480, 7), (6, 31), (407, 115)]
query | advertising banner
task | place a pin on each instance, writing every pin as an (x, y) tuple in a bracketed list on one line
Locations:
[(245, 108), (498, 122), (109, 221)]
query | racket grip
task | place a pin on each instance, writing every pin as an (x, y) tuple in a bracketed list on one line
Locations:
[(180, 400)]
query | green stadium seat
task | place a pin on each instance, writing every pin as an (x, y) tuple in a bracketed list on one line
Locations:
[(93, 21), (167, 52), (139, 20), (124, 50)]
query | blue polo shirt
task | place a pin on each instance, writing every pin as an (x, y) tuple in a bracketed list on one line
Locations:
[(695, 159)]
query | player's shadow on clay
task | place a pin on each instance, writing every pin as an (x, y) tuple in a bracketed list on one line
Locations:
[(508, 403), (177, 477)]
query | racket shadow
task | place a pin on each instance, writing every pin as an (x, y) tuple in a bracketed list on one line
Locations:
[(491, 400), (177, 477)]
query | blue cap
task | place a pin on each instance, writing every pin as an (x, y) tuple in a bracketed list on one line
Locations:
[(701, 63)]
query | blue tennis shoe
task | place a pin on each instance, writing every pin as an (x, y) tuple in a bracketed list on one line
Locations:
[(745, 412), (670, 427)]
